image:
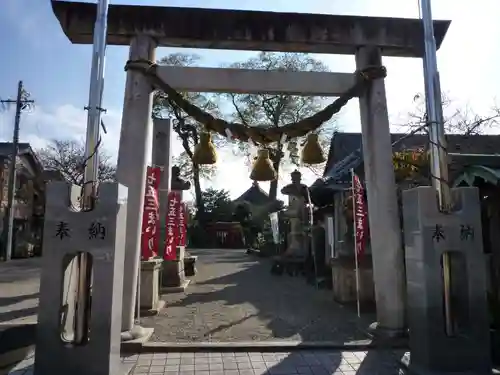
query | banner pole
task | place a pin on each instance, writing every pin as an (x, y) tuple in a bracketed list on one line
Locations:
[(311, 237), (358, 304)]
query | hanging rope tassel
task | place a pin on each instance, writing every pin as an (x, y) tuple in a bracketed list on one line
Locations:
[(262, 169), (312, 152), (204, 152)]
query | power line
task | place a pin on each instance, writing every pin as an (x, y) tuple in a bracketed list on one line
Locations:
[(22, 102)]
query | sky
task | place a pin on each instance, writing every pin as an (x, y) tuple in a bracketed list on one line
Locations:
[(56, 73)]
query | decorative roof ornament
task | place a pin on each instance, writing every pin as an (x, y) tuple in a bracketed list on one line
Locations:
[(296, 188)]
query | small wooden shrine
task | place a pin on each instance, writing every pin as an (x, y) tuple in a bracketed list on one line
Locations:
[(255, 196)]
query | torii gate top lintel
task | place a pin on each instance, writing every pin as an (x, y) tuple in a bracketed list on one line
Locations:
[(248, 30)]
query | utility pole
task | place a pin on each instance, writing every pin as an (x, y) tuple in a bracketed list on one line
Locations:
[(21, 102), (92, 142), (437, 140)]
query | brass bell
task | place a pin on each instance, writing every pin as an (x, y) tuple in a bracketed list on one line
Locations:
[(262, 169), (204, 151), (312, 152)]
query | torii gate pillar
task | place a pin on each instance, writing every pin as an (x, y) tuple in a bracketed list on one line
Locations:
[(133, 153), (383, 213)]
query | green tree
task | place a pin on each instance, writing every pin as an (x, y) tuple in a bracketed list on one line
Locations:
[(218, 205), (187, 129), (242, 213), (68, 157), (184, 162), (268, 110)]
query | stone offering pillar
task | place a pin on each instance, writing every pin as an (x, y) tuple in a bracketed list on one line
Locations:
[(101, 233), (131, 172), (383, 212), (430, 233), (173, 278), (150, 281)]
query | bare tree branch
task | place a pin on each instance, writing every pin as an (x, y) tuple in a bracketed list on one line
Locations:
[(277, 110), (187, 129), (68, 156), (456, 121)]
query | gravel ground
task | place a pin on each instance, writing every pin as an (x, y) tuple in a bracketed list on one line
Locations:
[(234, 298)]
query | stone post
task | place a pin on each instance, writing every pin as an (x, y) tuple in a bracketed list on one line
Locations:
[(429, 234), (101, 233), (383, 214), (151, 268), (162, 157), (131, 172)]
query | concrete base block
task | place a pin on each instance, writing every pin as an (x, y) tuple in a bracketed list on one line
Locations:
[(150, 275), (272, 346), (135, 345), (137, 333), (412, 369), (344, 281), (382, 333), (190, 266), (176, 289), (153, 311), (172, 273)]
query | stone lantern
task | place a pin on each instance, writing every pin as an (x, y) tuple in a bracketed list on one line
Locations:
[(297, 215)]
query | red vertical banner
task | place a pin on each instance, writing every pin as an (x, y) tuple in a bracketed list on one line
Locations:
[(182, 224), (172, 223), (186, 222), (150, 215), (360, 214)]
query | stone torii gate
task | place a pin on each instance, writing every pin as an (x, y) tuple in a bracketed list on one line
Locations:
[(143, 28)]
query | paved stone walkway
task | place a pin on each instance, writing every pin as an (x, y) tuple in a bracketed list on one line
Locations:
[(234, 297), (291, 363)]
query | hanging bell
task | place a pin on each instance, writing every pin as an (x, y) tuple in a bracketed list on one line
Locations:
[(262, 169), (204, 151), (312, 152)]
